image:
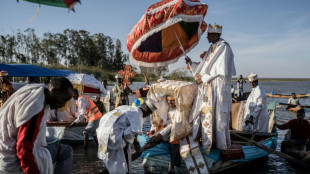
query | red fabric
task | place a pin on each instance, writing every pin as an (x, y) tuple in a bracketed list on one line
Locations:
[(26, 136), (299, 130), (235, 151), (91, 90)]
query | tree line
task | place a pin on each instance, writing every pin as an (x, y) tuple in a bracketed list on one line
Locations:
[(70, 48)]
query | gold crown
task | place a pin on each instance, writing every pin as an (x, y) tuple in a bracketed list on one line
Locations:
[(215, 26)]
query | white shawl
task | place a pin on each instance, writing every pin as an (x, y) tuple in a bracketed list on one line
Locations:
[(17, 110)]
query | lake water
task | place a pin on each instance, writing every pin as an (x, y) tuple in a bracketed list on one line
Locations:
[(87, 161)]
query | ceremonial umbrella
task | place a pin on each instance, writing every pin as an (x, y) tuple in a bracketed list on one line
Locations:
[(86, 83), (166, 31)]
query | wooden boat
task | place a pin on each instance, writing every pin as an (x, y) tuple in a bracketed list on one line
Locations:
[(156, 159), (61, 132), (302, 155), (287, 95), (294, 109)]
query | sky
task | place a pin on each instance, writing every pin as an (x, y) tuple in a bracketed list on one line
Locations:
[(268, 37)]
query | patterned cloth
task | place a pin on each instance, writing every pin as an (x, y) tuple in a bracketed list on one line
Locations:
[(6, 90), (184, 92)]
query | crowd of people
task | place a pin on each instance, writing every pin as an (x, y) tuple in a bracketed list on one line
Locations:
[(115, 124)]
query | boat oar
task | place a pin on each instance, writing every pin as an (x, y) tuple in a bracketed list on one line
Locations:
[(267, 149), (286, 104)]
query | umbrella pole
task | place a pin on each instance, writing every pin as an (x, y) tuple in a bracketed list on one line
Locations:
[(181, 47)]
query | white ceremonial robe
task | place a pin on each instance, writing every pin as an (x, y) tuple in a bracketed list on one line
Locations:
[(117, 129), (17, 110), (108, 99), (256, 105), (217, 68)]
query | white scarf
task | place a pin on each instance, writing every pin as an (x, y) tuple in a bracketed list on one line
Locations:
[(17, 110)]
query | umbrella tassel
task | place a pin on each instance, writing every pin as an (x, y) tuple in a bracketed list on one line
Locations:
[(35, 14), (181, 47)]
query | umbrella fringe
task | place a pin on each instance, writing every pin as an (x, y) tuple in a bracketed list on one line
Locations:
[(158, 64)]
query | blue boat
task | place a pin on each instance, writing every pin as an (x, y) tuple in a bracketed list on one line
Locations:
[(157, 159)]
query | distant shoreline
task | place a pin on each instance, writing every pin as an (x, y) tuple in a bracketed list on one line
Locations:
[(278, 79)]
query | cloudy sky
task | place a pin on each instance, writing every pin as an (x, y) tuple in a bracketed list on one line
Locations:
[(268, 37)]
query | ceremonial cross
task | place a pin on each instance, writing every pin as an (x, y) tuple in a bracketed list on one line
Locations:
[(192, 169), (201, 165), (127, 74)]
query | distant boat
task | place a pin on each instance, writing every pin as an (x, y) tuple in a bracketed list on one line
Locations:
[(287, 95), (153, 163)]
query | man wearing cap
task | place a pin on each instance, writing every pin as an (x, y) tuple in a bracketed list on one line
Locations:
[(256, 118), (116, 133), (215, 70), (6, 88)]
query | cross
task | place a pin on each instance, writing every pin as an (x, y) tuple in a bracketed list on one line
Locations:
[(127, 74)]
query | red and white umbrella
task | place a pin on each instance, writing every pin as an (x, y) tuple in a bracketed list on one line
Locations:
[(166, 31)]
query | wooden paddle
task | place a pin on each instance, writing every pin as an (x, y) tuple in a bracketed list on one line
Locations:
[(279, 154), (304, 106)]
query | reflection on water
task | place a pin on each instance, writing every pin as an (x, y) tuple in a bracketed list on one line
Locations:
[(271, 165)]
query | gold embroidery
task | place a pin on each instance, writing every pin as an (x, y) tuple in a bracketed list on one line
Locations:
[(117, 114)]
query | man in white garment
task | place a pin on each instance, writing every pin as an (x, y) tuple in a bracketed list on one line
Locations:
[(23, 147), (293, 101), (108, 99), (164, 134), (116, 133), (215, 70), (256, 118)]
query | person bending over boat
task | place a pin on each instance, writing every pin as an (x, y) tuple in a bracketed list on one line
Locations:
[(164, 135), (23, 130), (256, 118), (116, 133), (293, 102), (87, 109), (299, 132)]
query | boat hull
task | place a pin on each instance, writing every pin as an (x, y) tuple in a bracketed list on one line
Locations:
[(161, 163), (61, 132)]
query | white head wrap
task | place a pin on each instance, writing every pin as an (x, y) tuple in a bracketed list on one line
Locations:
[(252, 77), (150, 105)]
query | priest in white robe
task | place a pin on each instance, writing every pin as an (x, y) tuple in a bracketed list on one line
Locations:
[(216, 70), (256, 118), (116, 133), (23, 147)]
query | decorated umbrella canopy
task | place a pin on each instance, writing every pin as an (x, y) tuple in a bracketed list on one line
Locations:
[(166, 31), (86, 83), (57, 3)]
